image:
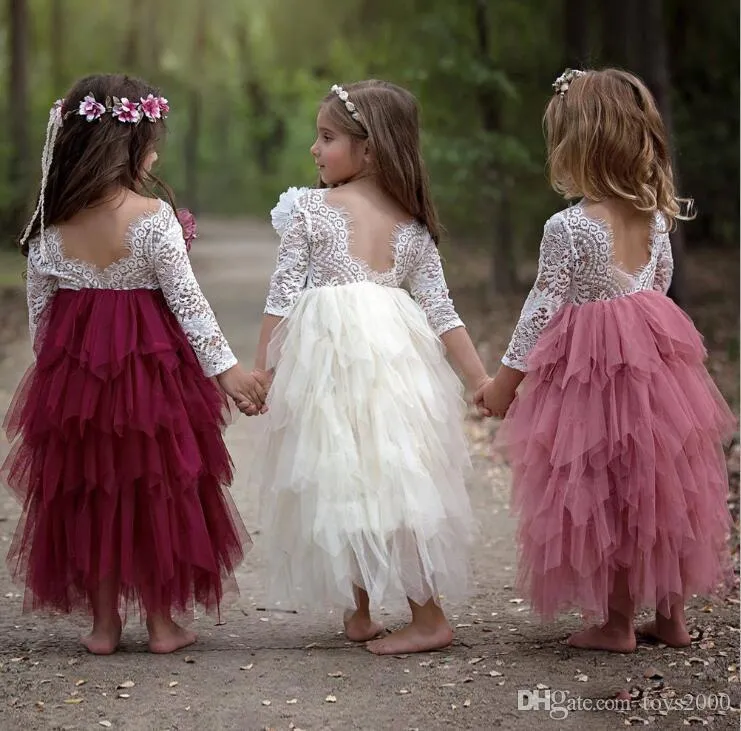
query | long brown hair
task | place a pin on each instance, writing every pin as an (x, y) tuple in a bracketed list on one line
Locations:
[(389, 120), (606, 138), (92, 161)]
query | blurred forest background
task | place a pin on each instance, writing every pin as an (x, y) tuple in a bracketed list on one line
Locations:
[(244, 78)]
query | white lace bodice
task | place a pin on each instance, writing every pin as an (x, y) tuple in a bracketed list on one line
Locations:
[(157, 259), (315, 252), (577, 265)]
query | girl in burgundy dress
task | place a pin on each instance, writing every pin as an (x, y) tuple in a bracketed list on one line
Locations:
[(119, 457)]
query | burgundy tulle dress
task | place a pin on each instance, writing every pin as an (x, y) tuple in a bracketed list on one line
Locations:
[(615, 437), (118, 454)]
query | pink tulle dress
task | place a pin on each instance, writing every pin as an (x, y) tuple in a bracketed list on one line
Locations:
[(615, 437), (118, 453)]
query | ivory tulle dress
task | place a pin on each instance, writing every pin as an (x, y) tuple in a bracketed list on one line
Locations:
[(615, 437), (118, 454), (361, 457)]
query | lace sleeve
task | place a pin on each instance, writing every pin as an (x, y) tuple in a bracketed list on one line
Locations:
[(430, 291), (185, 299), (552, 285), (40, 288), (664, 264), (292, 267)]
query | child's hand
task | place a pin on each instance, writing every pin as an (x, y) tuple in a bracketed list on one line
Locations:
[(247, 390), (495, 397), (260, 381), (478, 400)]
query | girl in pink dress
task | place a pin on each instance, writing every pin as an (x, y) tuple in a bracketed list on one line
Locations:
[(119, 457), (615, 434)]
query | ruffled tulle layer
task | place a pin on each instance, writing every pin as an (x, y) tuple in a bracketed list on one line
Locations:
[(120, 461), (360, 460), (615, 442)]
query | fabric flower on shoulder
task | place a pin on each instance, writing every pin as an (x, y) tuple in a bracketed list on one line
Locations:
[(188, 222), (281, 214)]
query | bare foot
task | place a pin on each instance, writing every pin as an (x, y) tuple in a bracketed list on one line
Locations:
[(413, 638), (603, 638), (359, 627), (169, 638), (668, 632), (104, 638)]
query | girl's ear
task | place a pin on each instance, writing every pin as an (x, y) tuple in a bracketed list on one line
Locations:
[(367, 154)]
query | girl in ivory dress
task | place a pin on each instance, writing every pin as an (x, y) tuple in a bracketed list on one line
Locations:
[(362, 455), (615, 436), (118, 456)]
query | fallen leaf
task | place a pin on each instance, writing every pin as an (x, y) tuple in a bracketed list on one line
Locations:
[(123, 695), (425, 663), (636, 721), (338, 674), (172, 684), (695, 721), (106, 724), (541, 686), (266, 703), (292, 702), (126, 684), (516, 601), (582, 678), (330, 699), (247, 667), (448, 685), (189, 659), (495, 674), (80, 682), (403, 691), (653, 673), (73, 701), (475, 660)]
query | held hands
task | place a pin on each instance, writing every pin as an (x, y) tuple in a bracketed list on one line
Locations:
[(495, 395), (247, 390)]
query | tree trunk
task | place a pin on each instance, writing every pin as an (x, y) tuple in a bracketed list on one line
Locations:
[(19, 164), (616, 32), (56, 38), (654, 68), (576, 35), (195, 113), (133, 45), (503, 278)]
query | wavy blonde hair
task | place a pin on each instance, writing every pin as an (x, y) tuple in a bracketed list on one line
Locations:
[(606, 139)]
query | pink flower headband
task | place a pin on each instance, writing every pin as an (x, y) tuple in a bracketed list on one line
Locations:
[(152, 108)]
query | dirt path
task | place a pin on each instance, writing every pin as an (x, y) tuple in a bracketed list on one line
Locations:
[(271, 670)]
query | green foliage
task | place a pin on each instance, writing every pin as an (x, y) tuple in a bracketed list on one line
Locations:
[(257, 70)]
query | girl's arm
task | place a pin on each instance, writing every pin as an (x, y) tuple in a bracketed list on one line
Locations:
[(548, 294), (192, 310), (40, 289), (430, 290)]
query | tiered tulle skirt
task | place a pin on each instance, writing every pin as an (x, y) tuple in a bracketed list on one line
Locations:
[(360, 460), (120, 461), (615, 442)]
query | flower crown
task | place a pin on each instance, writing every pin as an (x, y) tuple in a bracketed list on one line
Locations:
[(562, 83), (343, 95), (124, 110)]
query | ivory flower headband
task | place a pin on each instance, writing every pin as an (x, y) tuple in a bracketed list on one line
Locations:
[(345, 99), (562, 83)]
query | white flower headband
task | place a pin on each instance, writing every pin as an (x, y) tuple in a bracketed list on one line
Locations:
[(561, 84), (344, 97), (152, 108)]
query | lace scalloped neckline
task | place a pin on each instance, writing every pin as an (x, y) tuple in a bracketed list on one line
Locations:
[(395, 237), (129, 236), (607, 229)]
